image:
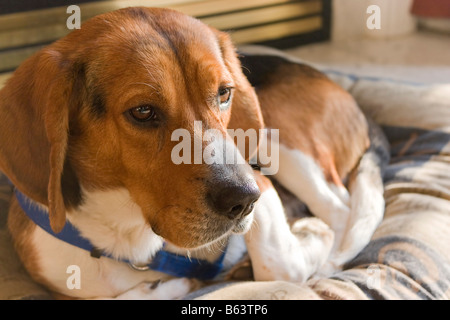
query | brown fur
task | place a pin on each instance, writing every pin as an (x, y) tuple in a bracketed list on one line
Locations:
[(21, 227), (302, 100)]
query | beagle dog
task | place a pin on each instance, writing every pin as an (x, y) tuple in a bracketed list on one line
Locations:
[(101, 210)]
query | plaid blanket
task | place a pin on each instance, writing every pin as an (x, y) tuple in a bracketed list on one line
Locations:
[(409, 255)]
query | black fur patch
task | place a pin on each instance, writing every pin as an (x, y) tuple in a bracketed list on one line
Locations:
[(259, 68), (83, 92), (70, 187), (98, 106), (269, 70)]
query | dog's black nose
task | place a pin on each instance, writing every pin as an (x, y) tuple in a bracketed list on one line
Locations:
[(234, 201)]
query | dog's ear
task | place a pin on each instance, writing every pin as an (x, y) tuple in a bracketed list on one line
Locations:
[(34, 113), (245, 109)]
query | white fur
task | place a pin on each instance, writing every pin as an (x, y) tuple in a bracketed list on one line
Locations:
[(235, 250), (279, 254), (111, 220), (340, 192), (175, 288), (301, 175), (101, 277), (367, 210)]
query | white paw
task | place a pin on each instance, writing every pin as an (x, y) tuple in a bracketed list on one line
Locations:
[(316, 238), (310, 229), (158, 290), (341, 192), (305, 249)]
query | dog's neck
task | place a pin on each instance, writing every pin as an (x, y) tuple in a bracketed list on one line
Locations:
[(114, 223), (111, 220), (109, 223)]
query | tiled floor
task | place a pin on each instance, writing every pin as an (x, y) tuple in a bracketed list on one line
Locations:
[(422, 57)]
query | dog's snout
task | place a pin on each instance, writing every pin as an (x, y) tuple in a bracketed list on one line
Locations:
[(234, 201)]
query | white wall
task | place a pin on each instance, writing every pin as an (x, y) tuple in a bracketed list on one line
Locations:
[(350, 17)]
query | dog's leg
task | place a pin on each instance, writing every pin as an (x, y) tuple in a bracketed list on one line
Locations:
[(158, 290), (366, 201), (366, 212), (302, 176), (279, 252)]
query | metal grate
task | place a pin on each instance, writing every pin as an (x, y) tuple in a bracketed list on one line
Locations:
[(279, 23)]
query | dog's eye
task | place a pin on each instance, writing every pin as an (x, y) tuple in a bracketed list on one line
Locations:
[(224, 97), (144, 113)]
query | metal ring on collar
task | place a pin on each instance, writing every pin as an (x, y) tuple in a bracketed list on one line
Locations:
[(138, 268)]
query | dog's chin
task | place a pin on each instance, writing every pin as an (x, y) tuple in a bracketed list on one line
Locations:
[(216, 234), (240, 226)]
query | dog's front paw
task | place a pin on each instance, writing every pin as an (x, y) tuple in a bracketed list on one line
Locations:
[(160, 290), (310, 229), (304, 250), (316, 238)]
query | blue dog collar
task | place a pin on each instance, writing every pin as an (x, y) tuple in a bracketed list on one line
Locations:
[(163, 261)]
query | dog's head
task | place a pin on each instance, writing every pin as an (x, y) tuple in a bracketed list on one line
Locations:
[(97, 110)]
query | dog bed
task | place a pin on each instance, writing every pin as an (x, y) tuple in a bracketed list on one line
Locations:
[(409, 254)]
